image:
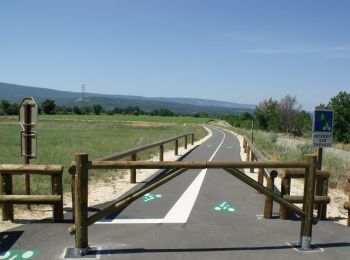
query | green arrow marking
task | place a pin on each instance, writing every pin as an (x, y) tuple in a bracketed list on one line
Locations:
[(149, 196), (18, 254), (223, 206)]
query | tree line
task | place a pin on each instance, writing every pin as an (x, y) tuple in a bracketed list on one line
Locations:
[(286, 115), (49, 107)]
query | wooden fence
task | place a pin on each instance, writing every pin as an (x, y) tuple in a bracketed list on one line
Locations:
[(132, 153), (321, 191), (269, 174), (7, 198), (82, 165)]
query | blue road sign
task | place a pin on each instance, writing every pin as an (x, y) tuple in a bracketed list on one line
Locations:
[(322, 135), (323, 121)]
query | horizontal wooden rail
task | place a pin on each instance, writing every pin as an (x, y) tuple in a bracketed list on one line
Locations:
[(191, 165), (300, 199), (299, 174), (257, 154), (31, 169), (127, 153), (30, 199), (8, 199)]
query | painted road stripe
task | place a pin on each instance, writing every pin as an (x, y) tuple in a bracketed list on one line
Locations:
[(181, 210)]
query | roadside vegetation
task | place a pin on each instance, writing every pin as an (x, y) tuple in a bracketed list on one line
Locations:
[(49, 107), (283, 132), (278, 146), (129, 118), (58, 142)]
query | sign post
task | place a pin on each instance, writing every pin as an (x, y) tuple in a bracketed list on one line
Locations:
[(28, 117), (322, 136)]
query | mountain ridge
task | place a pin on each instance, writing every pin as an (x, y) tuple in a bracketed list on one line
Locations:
[(15, 93)]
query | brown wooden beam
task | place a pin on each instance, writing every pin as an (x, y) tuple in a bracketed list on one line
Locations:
[(300, 199), (30, 199), (32, 169)]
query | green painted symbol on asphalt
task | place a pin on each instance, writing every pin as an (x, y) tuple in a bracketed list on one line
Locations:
[(224, 206), (18, 254), (149, 196)]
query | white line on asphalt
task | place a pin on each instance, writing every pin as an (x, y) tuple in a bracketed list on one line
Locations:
[(181, 210)]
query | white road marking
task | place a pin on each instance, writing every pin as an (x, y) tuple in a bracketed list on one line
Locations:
[(181, 210), (260, 216)]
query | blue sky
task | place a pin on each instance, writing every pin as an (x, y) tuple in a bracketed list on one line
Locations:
[(238, 51)]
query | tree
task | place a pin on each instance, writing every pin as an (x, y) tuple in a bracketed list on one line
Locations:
[(289, 108), (268, 115), (76, 110), (86, 110), (97, 109), (303, 123), (4, 107), (48, 106), (162, 112), (7, 108), (341, 106)]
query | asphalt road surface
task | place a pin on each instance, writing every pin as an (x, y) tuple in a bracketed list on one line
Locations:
[(201, 214)]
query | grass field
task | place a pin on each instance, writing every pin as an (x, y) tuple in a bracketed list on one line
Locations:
[(58, 141), (128, 118)]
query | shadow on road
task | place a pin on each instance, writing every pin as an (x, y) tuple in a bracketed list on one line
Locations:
[(190, 250), (8, 239)]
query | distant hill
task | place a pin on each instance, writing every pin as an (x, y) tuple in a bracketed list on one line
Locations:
[(15, 93)]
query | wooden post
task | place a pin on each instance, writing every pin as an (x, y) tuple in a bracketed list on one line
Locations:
[(176, 147), (261, 177), (248, 153), (28, 145), (185, 141), (309, 188), (285, 190), (252, 131), (56, 181), (81, 203), (252, 158), (192, 139), (323, 213), (321, 188), (161, 153), (72, 187), (348, 223), (268, 200), (245, 145), (6, 189), (133, 171), (347, 207), (319, 158)]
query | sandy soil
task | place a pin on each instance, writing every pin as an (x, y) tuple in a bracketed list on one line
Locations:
[(99, 191)]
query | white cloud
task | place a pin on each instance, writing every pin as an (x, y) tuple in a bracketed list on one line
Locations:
[(330, 52)]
